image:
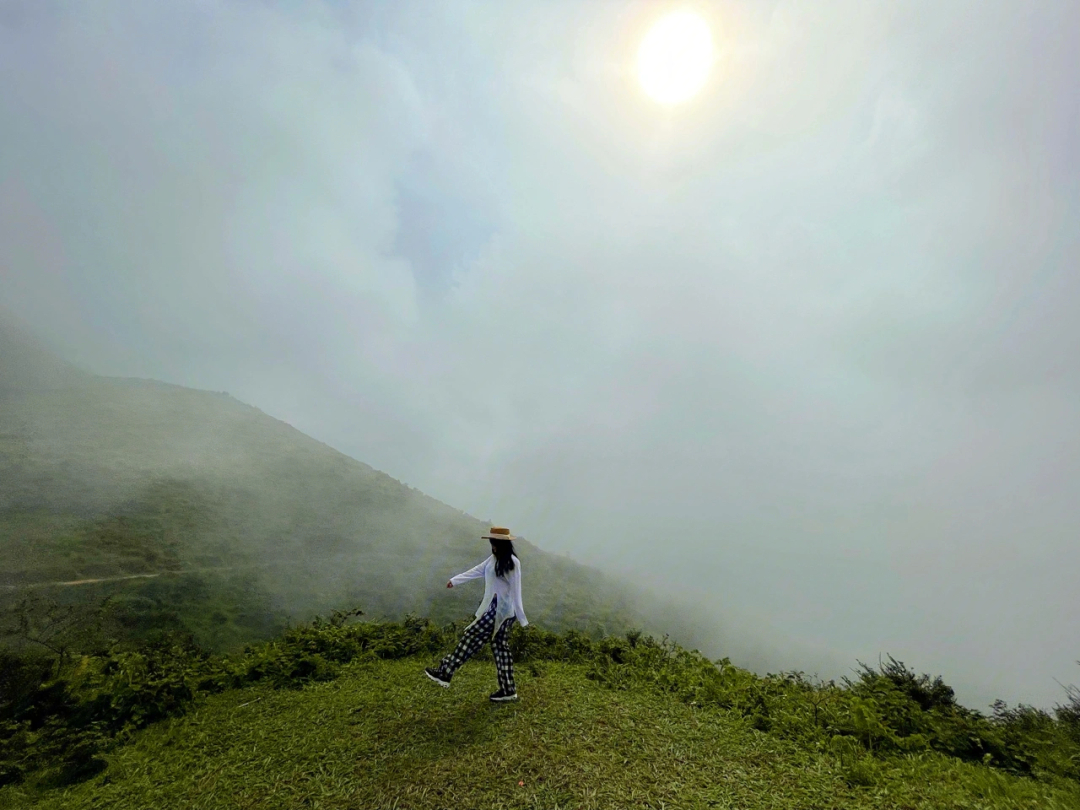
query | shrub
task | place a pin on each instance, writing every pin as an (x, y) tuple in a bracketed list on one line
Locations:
[(905, 705), (54, 722), (1068, 714), (1035, 741), (20, 678)]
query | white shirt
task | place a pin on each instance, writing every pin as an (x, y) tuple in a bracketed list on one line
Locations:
[(507, 588)]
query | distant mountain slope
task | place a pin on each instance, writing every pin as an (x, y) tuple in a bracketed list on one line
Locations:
[(103, 477), (25, 363)]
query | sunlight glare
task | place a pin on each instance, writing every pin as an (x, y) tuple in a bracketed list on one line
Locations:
[(675, 57)]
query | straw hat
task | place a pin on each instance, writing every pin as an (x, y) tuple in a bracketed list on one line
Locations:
[(498, 533)]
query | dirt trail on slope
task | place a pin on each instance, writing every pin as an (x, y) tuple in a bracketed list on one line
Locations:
[(74, 582)]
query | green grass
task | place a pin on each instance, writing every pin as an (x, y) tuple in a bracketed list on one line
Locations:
[(383, 736)]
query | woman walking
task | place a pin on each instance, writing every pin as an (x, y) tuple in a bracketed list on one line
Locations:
[(500, 608)]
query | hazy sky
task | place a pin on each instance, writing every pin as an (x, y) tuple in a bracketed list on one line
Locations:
[(807, 348)]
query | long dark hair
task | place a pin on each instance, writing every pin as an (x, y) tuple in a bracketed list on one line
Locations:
[(504, 562)]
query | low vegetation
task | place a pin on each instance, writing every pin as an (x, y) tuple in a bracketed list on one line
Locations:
[(614, 721)]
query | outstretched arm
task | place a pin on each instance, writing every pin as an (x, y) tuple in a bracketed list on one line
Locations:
[(476, 572)]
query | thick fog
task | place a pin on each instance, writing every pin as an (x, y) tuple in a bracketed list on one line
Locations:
[(803, 351)]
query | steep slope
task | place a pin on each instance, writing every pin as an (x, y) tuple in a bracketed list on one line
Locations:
[(253, 521)]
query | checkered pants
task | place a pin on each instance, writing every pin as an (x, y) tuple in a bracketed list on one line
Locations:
[(475, 636)]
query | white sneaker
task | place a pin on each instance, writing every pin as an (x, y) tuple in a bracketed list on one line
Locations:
[(437, 676)]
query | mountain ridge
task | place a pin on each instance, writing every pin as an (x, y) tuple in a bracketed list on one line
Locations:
[(105, 477)]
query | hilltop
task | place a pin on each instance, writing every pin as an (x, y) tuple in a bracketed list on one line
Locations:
[(339, 715)]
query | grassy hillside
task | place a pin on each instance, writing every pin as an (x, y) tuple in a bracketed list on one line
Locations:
[(212, 526), (340, 716), (247, 521)]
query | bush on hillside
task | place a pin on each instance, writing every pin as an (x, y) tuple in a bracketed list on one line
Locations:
[(61, 720), (1068, 714), (1034, 741), (55, 722), (886, 711), (891, 705)]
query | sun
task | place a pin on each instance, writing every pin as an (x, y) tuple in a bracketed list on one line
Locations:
[(675, 57)]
